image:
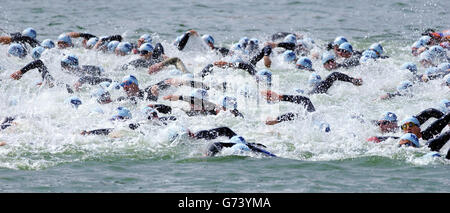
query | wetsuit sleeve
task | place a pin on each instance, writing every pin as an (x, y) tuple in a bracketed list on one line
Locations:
[(214, 133), (87, 36), (266, 51), (223, 51), (438, 75), (7, 122), (259, 150), (285, 45), (436, 127), (177, 62), (379, 139), (248, 67), (207, 70), (324, 85), (216, 147), (298, 99), (100, 131), (93, 80), (168, 118), (236, 113), (158, 51), (183, 41), (138, 63), (287, 117), (196, 84), (24, 39), (351, 62), (113, 38), (279, 35), (427, 114), (37, 64), (163, 108), (91, 70), (437, 143)]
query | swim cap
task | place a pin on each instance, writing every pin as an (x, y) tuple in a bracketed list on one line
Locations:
[(240, 147), (208, 39), (432, 154), (444, 66), (377, 48), (425, 55), (65, 38), (122, 113), (148, 111), (69, 60), (432, 70), (346, 46), (411, 137), (437, 52), (304, 62), (253, 42), (91, 42), (368, 54), (339, 40), (289, 56), (410, 66), (228, 102), (199, 93), (327, 56), (417, 44), (314, 79), (112, 45), (105, 84), (425, 40), (237, 139), (146, 47), (17, 50), (37, 52), (404, 85), (114, 85), (129, 79), (124, 47), (264, 75), (243, 42), (30, 32), (236, 60), (389, 116), (448, 81), (147, 38), (410, 120), (290, 39), (236, 47), (47, 43), (444, 106), (177, 132), (74, 101), (324, 127)]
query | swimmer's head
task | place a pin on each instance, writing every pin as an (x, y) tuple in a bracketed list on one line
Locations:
[(264, 75), (314, 79), (304, 63), (149, 112), (208, 39), (17, 50), (64, 41), (228, 102), (410, 125), (291, 38), (37, 52), (122, 113), (444, 106), (48, 44), (345, 50), (69, 61), (237, 140), (339, 40), (425, 40), (91, 42), (289, 56), (102, 96), (146, 38), (123, 48), (409, 139), (388, 122), (243, 42), (146, 49), (410, 66), (377, 48), (30, 32), (199, 93), (74, 101), (404, 86), (112, 45)]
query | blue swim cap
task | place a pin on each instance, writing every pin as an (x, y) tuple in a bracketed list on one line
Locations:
[(236, 59), (289, 56), (368, 54), (228, 102), (65, 38), (432, 70), (98, 92), (114, 85), (17, 50), (30, 32), (325, 127), (91, 42), (74, 101), (147, 38), (417, 44), (237, 139), (432, 154), (104, 84), (47, 43), (199, 93), (304, 62), (253, 41), (425, 40), (240, 147), (208, 39), (148, 111), (236, 47), (175, 132), (243, 42), (327, 56), (410, 120), (389, 116), (444, 106), (37, 52), (438, 52), (314, 79), (377, 48), (264, 75), (410, 66), (291, 38), (69, 60), (444, 67), (112, 45), (425, 55), (346, 46), (339, 40), (122, 113), (447, 82), (129, 79), (404, 85), (411, 137), (124, 47), (146, 47)]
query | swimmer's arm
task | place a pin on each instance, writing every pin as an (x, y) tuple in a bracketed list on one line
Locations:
[(86, 36), (185, 39), (378, 139), (98, 132), (266, 51), (436, 127), (427, 114), (161, 108), (298, 99), (19, 38), (245, 66), (5, 39), (287, 46)]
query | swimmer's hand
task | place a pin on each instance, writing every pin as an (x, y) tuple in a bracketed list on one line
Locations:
[(270, 96), (174, 81), (17, 75), (425, 78), (172, 97), (155, 68), (384, 97), (271, 44), (222, 64), (271, 121), (193, 32), (2, 143)]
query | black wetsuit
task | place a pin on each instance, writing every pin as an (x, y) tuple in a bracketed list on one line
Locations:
[(306, 102), (19, 38), (204, 107), (437, 143), (7, 122), (133, 126), (324, 85), (353, 61), (157, 54)]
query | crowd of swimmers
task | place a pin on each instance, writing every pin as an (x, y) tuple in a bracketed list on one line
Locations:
[(431, 49)]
